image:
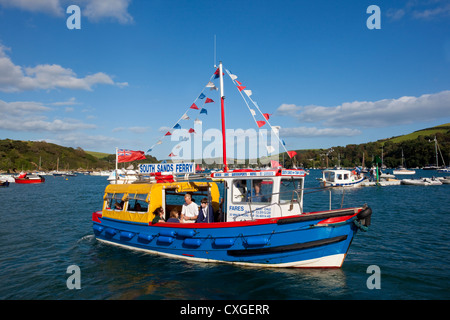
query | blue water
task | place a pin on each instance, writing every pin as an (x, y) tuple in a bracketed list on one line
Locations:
[(46, 228)]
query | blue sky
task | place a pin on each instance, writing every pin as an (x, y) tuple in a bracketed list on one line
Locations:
[(135, 67)]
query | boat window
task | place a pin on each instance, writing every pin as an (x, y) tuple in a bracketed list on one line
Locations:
[(137, 203), (346, 176), (339, 176), (290, 189), (252, 190), (329, 176), (114, 201), (174, 200)]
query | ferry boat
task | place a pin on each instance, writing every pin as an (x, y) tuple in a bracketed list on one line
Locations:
[(259, 221)]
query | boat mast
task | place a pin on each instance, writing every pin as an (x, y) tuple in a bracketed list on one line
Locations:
[(222, 104)]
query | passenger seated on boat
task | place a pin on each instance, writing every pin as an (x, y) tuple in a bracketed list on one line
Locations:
[(118, 206), (174, 217), (256, 196), (205, 212), (159, 215), (189, 210)]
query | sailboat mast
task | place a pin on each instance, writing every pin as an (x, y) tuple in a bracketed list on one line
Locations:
[(222, 104)]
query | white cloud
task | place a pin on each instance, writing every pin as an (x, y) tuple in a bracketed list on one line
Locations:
[(381, 113), (52, 7), (94, 10), (29, 116), (424, 10), (14, 78)]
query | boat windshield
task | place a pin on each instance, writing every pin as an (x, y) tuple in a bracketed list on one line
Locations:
[(253, 190), (290, 189), (329, 176)]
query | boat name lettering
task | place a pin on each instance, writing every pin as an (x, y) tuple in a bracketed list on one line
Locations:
[(292, 172), (237, 208), (167, 167)]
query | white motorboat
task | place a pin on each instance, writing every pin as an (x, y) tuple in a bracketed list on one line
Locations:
[(341, 178)]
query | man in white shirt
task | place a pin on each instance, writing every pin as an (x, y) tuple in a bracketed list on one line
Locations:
[(189, 211)]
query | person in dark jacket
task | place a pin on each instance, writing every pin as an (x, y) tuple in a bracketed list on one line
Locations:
[(205, 212)]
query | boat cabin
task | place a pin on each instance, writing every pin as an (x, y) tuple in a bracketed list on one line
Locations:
[(260, 194), (138, 202), (249, 195)]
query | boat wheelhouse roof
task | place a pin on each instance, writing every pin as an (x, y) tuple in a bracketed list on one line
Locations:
[(250, 173)]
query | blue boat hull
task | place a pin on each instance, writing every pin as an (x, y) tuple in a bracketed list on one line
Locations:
[(300, 241)]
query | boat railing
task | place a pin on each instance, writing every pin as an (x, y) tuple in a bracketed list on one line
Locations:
[(296, 192)]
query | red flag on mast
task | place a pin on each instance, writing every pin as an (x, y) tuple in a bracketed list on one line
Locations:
[(124, 155), (291, 154)]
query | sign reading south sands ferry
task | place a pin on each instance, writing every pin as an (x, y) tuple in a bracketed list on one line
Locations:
[(147, 168)]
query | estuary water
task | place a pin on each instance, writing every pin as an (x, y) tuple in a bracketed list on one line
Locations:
[(46, 228)]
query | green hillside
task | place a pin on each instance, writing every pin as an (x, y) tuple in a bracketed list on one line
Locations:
[(443, 128), (26, 155), (418, 148)]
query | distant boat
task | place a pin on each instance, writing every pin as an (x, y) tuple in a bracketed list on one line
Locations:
[(25, 178), (402, 170), (341, 178), (422, 182), (4, 183)]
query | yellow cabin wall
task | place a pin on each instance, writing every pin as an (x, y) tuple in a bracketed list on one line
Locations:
[(154, 198)]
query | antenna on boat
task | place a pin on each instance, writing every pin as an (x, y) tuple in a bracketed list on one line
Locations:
[(215, 66), (222, 104)]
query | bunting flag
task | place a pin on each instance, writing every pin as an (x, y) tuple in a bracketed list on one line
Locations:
[(253, 112), (270, 149), (241, 87), (208, 100), (238, 82), (177, 126), (204, 111), (149, 150), (185, 117), (168, 133), (201, 96), (248, 92), (291, 154), (267, 115), (191, 130), (172, 154), (194, 106), (260, 123), (125, 155), (275, 164), (233, 76)]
